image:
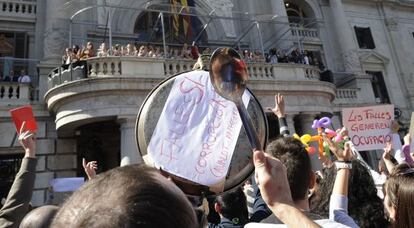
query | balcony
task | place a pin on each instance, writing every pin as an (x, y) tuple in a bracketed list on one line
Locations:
[(18, 10), (13, 93), (306, 34), (349, 98), (109, 87), (159, 68)]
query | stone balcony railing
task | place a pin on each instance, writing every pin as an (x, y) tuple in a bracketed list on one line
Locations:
[(305, 32), (160, 68), (18, 9), (347, 96), (13, 93)]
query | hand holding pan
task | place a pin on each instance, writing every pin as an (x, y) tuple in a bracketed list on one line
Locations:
[(228, 74)]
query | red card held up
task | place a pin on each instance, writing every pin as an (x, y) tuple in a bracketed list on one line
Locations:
[(24, 114)]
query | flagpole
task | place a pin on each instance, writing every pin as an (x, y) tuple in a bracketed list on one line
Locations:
[(163, 35)]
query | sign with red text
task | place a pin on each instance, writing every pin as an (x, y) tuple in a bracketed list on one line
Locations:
[(411, 131), (197, 131), (369, 127)]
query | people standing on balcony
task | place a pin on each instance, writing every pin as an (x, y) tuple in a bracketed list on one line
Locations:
[(168, 50), (69, 57), (305, 58), (143, 51), (186, 52), (103, 50), (176, 54), (246, 56), (116, 50), (194, 51), (151, 51), (273, 56), (129, 50), (158, 53), (24, 78), (87, 52), (9, 77), (207, 51), (76, 51)]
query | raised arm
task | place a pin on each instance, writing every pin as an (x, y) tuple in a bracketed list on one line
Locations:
[(386, 156), (279, 111), (271, 177), (338, 204), (90, 168), (17, 202)]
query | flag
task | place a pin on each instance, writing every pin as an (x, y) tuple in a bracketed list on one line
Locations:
[(176, 17), (187, 18)]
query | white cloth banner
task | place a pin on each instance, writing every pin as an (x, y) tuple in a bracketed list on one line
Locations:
[(69, 184), (197, 131), (369, 127)]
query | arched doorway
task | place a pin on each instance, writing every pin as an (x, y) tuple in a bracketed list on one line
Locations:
[(99, 142), (299, 12), (178, 29)]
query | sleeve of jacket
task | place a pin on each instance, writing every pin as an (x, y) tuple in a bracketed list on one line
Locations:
[(17, 202), (284, 130), (260, 209)]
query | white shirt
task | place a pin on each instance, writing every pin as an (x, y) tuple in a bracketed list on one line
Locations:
[(24, 79)]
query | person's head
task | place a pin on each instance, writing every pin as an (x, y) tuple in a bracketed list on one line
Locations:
[(75, 48), (292, 153), (11, 73), (40, 217), (68, 51), (364, 205), (233, 206), (399, 196), (89, 45), (103, 46), (22, 72), (128, 196)]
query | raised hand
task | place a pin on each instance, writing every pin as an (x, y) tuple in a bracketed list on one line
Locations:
[(279, 109), (28, 141), (387, 151), (271, 177), (341, 154), (90, 168)]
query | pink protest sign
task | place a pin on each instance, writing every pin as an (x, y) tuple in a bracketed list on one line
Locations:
[(369, 127), (197, 131)]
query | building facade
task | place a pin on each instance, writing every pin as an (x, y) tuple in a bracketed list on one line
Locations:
[(366, 47)]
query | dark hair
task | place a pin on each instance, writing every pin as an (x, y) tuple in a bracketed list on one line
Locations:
[(293, 155), (40, 217), (75, 48), (400, 192), (364, 205), (128, 196), (233, 205)]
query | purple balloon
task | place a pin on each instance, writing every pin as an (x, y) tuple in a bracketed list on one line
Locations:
[(322, 122)]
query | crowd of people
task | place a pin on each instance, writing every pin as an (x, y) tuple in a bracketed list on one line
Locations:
[(286, 191), (189, 52), (23, 77)]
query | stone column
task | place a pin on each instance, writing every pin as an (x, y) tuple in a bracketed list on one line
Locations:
[(56, 30), (402, 65), (344, 33), (129, 149), (281, 24), (40, 28), (306, 121)]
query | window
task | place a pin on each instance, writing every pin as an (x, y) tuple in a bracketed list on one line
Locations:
[(364, 37), (378, 85), (9, 166)]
